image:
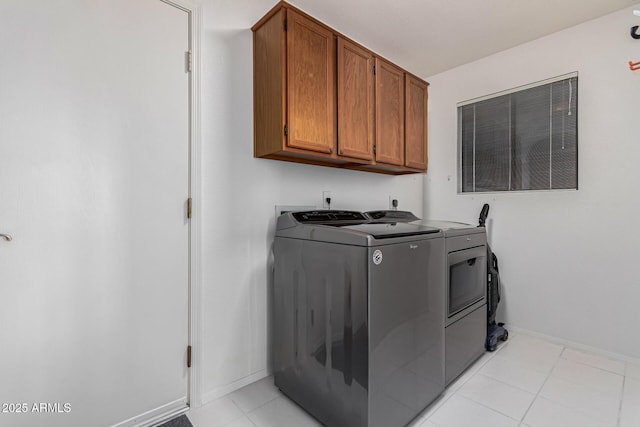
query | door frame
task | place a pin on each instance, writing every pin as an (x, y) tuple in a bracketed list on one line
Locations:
[(194, 9), (194, 390)]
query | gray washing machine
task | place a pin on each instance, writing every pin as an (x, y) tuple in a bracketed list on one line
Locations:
[(358, 313), (465, 283)]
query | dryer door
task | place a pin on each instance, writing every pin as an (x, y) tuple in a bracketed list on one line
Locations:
[(466, 282)]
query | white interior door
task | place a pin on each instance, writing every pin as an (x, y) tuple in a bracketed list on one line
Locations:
[(94, 178)]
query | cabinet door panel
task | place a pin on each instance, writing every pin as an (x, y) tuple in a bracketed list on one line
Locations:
[(311, 85), (389, 113), (269, 85), (416, 123), (355, 101)]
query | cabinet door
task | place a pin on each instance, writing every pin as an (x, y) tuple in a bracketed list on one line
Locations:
[(389, 113), (355, 101), (416, 123), (311, 85), (269, 85)]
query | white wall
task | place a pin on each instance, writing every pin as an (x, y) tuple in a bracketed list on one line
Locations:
[(568, 259), (239, 198)]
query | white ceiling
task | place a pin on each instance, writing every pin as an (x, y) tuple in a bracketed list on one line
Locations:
[(429, 36)]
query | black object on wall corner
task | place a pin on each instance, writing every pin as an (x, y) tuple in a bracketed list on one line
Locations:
[(634, 32)]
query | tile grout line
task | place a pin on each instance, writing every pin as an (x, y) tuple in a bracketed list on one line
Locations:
[(477, 372), (506, 383), (488, 356), (243, 416), (489, 408), (437, 408), (524, 416), (520, 365), (591, 366), (280, 394), (440, 404), (239, 408), (569, 381), (591, 386)]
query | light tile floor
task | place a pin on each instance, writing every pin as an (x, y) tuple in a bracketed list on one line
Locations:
[(527, 382)]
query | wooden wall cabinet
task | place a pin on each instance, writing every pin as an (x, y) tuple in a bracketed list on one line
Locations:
[(294, 89), (321, 98), (416, 97), (355, 101), (389, 113), (310, 85)]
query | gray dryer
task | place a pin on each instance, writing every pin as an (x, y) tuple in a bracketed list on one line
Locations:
[(465, 284)]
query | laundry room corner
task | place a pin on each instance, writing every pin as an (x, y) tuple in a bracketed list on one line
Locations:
[(239, 198), (562, 277)]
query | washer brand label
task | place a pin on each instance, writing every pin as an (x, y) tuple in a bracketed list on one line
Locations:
[(377, 257)]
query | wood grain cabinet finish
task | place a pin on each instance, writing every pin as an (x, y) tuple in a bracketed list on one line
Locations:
[(355, 101), (294, 65), (318, 101), (416, 123), (311, 85), (269, 86), (389, 113)]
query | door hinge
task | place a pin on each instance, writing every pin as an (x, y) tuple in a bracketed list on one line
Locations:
[(285, 25), (286, 130), (189, 207), (189, 61), (188, 356)]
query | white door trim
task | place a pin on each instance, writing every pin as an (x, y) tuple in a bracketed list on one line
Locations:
[(156, 416), (194, 9), (194, 392)]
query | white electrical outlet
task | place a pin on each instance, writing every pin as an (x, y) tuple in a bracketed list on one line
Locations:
[(326, 195), (391, 200)]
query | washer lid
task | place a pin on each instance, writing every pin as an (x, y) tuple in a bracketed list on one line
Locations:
[(349, 228), (390, 230), (392, 216), (356, 221)]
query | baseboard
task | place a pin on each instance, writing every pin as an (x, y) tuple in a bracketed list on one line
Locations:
[(218, 392), (157, 416), (575, 345)]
